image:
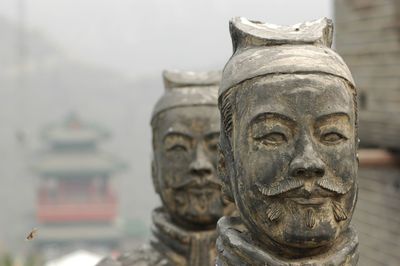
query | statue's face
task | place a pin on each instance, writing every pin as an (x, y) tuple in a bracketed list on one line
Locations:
[(185, 164), (295, 158)]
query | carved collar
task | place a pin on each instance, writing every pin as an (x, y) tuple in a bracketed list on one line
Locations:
[(236, 248), (180, 246)]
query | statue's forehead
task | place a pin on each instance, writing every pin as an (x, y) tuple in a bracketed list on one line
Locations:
[(294, 94), (188, 119)]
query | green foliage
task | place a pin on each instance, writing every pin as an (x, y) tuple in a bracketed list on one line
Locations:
[(33, 260), (6, 260)]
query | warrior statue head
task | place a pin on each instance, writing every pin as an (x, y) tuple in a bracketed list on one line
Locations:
[(186, 127), (289, 141)]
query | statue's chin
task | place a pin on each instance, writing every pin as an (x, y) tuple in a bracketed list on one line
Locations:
[(204, 220), (196, 219), (194, 207), (289, 231), (297, 234), (198, 211)]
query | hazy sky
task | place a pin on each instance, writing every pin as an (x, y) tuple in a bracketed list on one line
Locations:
[(144, 37), (135, 38)]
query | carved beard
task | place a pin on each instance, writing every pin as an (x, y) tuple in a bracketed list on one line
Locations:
[(275, 212), (338, 211), (329, 182), (202, 204), (310, 218)]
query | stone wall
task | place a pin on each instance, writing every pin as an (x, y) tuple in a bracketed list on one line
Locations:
[(377, 215), (368, 38)]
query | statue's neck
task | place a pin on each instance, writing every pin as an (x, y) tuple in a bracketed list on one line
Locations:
[(180, 245), (236, 247)]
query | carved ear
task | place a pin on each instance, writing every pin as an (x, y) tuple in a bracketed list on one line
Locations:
[(154, 176), (224, 176)]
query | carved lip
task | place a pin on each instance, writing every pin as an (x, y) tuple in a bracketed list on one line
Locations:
[(200, 184), (202, 190), (310, 201), (207, 189)]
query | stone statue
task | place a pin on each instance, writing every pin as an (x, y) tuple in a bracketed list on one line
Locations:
[(186, 127), (288, 155)]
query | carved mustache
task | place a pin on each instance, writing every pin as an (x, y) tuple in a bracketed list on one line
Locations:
[(197, 182), (334, 184), (279, 187), (329, 182)]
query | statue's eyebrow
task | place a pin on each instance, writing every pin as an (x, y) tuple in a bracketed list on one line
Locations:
[(325, 117), (211, 135), (178, 134), (262, 116)]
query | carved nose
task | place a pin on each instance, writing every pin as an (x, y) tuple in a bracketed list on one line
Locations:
[(307, 163), (201, 166), (308, 172)]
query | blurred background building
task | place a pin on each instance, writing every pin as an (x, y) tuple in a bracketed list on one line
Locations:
[(103, 59), (368, 38), (77, 206)]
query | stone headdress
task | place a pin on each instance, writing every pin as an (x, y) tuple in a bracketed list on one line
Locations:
[(184, 88), (261, 49)]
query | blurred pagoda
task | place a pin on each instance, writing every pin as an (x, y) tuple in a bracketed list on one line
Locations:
[(76, 204)]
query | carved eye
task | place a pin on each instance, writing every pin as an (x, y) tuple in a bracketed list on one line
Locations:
[(332, 138), (274, 138), (212, 142), (177, 148), (213, 146)]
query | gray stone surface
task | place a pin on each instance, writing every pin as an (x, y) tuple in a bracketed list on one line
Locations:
[(377, 216), (368, 38)]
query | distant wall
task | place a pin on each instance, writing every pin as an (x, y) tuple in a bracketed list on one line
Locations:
[(377, 214), (368, 38)]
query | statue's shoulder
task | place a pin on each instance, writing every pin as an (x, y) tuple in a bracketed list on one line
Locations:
[(143, 256)]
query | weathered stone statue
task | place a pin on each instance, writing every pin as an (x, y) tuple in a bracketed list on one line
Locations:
[(288, 147), (186, 127)]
